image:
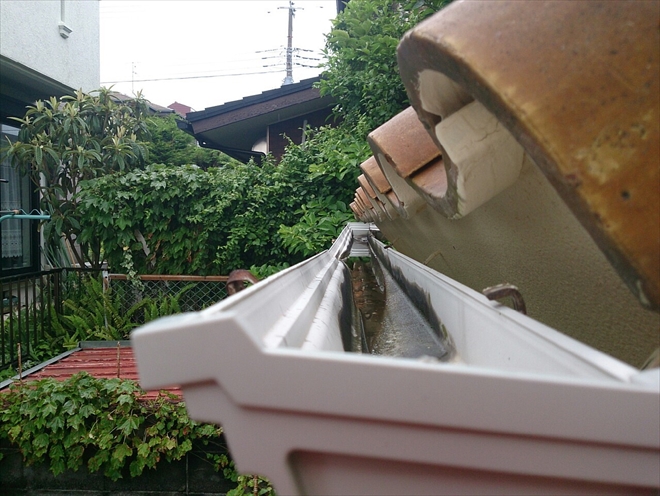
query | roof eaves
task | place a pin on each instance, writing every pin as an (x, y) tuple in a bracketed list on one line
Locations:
[(253, 99)]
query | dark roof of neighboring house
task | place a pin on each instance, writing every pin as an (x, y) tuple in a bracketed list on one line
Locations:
[(235, 126), (100, 359), (252, 100), (153, 108)]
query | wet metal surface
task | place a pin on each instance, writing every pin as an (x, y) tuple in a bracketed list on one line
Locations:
[(392, 325)]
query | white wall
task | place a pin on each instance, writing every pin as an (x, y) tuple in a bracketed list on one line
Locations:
[(29, 35)]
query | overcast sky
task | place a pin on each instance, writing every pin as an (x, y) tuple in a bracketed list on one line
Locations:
[(205, 53)]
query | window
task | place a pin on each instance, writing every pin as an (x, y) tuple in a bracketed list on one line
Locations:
[(18, 248)]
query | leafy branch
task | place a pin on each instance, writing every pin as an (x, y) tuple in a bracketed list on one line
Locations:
[(103, 422), (108, 426), (64, 142)]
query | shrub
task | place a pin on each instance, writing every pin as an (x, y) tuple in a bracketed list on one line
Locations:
[(64, 142), (103, 422), (107, 426)]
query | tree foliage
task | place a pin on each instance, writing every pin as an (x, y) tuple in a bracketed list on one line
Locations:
[(171, 220), (361, 71), (170, 145), (65, 142)]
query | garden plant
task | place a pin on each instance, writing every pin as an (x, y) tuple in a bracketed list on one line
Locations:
[(111, 185)]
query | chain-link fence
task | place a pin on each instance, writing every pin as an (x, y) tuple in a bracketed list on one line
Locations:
[(28, 302), (181, 293)]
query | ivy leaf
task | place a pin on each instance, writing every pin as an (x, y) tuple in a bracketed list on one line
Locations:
[(87, 410), (70, 407), (143, 450), (121, 452), (49, 409), (75, 457), (56, 424), (56, 452), (128, 426), (57, 466), (41, 440), (14, 432), (97, 461), (125, 398), (137, 466)]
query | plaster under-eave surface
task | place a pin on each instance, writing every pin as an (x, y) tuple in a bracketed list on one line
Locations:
[(527, 236)]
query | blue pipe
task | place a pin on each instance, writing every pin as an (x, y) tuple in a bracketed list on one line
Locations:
[(24, 216)]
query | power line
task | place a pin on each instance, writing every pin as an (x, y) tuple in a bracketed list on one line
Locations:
[(189, 77), (214, 71), (201, 66)]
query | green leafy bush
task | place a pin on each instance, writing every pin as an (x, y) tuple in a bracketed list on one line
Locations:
[(107, 426), (170, 145), (184, 220), (102, 423)]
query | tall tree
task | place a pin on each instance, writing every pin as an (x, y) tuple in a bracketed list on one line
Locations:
[(64, 142)]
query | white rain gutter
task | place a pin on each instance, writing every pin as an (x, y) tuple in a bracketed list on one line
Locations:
[(520, 407)]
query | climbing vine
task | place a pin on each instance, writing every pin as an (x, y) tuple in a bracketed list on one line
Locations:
[(103, 422), (107, 426), (174, 220)]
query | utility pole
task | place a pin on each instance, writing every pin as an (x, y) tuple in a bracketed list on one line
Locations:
[(289, 46)]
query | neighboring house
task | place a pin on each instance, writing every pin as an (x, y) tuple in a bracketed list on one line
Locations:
[(152, 108), (47, 48), (261, 124), (180, 108)]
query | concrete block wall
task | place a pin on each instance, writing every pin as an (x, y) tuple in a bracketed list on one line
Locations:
[(194, 476)]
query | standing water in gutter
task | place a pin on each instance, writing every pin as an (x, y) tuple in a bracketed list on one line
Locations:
[(391, 324)]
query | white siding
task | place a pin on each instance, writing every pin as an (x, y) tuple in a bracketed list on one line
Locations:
[(29, 35)]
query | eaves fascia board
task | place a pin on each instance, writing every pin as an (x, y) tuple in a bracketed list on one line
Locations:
[(12, 72), (21, 86), (253, 99), (257, 110)]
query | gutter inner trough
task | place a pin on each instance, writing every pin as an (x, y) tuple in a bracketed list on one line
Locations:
[(389, 322)]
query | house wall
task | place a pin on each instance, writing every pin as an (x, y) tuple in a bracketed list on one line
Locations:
[(29, 35), (47, 48)]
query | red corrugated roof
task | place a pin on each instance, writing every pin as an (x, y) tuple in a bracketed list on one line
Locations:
[(103, 363)]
